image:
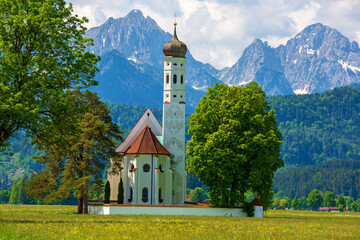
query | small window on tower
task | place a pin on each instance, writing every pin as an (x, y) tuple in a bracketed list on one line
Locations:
[(181, 64), (167, 78), (167, 95), (146, 168), (174, 78), (131, 194), (182, 79), (160, 196), (145, 195), (175, 64), (167, 64), (174, 95), (180, 96)]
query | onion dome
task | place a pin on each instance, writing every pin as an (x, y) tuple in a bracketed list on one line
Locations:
[(174, 48)]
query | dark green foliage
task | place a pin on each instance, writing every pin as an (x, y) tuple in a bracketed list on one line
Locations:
[(4, 196), (314, 200), (302, 203), (126, 115), (339, 177), (78, 165), (329, 199), (107, 192), (18, 195), (249, 209), (43, 53), (197, 195), (354, 206), (319, 127), (235, 146), (340, 203), (295, 203), (120, 196)]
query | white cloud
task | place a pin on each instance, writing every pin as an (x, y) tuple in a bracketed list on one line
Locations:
[(217, 31)]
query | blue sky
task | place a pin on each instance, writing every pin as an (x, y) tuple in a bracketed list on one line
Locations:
[(217, 31)]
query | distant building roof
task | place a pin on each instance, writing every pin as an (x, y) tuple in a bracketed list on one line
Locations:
[(257, 202), (279, 208), (147, 119), (146, 143)]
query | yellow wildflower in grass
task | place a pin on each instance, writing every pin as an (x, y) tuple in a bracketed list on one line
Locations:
[(61, 222)]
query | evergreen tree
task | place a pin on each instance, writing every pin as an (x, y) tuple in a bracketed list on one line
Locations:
[(295, 203), (77, 166), (329, 199), (197, 195), (4, 196), (107, 192), (120, 196), (14, 194)]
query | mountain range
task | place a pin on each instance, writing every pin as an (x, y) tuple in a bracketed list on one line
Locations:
[(317, 59)]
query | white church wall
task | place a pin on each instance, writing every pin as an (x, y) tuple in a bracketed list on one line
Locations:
[(149, 210), (259, 211)]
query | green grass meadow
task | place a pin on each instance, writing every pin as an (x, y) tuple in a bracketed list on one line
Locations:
[(61, 222)]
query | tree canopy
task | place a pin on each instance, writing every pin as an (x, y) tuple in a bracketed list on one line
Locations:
[(42, 54), (314, 199), (235, 144), (79, 165)]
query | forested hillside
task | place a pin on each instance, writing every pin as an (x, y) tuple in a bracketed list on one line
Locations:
[(319, 127), (315, 128), (337, 176)]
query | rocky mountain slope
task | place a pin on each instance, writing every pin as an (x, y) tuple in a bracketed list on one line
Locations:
[(131, 69), (317, 59)]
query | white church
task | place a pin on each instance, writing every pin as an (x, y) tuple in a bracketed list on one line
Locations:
[(153, 167)]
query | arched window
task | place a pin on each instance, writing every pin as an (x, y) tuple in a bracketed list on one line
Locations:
[(160, 168), (131, 168), (160, 196), (174, 79), (167, 78), (146, 167), (175, 64), (182, 79), (130, 194), (145, 195)]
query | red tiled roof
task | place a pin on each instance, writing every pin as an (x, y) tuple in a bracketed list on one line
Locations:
[(256, 202), (146, 143)]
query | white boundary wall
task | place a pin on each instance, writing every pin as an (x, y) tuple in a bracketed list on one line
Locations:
[(195, 211)]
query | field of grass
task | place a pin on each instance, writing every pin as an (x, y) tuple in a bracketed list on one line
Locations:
[(61, 222)]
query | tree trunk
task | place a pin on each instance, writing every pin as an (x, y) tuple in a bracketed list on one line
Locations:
[(85, 205), (242, 198), (80, 205)]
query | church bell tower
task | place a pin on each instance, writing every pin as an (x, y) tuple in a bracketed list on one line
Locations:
[(173, 130)]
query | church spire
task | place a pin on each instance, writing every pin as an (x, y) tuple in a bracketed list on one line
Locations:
[(175, 24), (175, 48)]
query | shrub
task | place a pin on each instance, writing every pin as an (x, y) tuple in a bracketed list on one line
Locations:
[(107, 192), (120, 196)]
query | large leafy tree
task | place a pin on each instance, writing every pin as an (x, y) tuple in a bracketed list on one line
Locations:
[(42, 53), (235, 144), (78, 166), (314, 200), (329, 199)]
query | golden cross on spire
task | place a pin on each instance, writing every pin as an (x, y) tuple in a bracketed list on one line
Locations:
[(175, 20)]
